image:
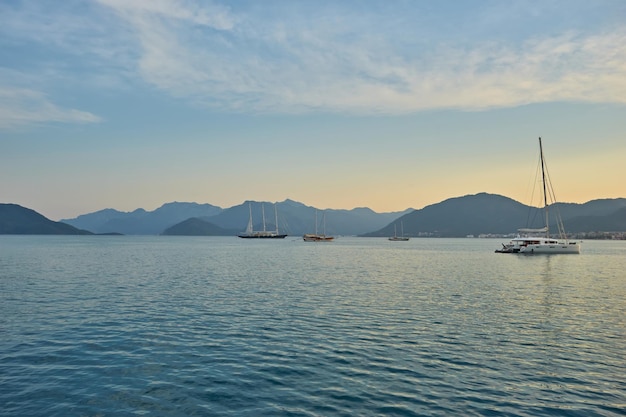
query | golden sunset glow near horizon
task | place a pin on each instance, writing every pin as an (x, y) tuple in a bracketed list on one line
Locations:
[(387, 105)]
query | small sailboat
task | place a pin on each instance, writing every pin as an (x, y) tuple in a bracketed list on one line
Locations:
[(250, 233), (536, 241), (395, 237), (315, 237)]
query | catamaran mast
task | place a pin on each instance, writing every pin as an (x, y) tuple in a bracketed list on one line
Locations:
[(545, 195)]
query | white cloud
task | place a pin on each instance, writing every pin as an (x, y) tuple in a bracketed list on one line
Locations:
[(205, 13), (288, 66), (288, 59), (22, 107)]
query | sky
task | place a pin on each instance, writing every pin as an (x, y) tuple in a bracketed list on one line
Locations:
[(336, 104)]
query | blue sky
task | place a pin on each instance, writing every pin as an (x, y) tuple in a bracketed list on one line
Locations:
[(384, 104)]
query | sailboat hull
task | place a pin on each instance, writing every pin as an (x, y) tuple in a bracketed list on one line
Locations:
[(263, 236), (530, 245), (250, 233), (317, 238), (558, 248), (395, 237)]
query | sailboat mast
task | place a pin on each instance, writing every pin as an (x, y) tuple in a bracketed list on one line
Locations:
[(545, 195), (250, 225), (276, 217), (263, 212)]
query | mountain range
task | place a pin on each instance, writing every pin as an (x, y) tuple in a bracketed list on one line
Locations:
[(491, 214), (477, 214), (140, 221), (294, 218)]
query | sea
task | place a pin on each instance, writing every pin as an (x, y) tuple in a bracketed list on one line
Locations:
[(221, 326)]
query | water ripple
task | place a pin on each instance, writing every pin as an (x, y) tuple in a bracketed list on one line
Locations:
[(180, 327)]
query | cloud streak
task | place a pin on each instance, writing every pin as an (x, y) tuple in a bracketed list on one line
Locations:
[(22, 107), (243, 58), (282, 66)]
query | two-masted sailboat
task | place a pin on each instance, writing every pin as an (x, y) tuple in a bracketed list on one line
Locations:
[(250, 233), (316, 237), (395, 237), (539, 241)]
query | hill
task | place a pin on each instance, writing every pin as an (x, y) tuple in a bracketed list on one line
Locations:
[(140, 221), (613, 222), (461, 216), (476, 214), (18, 220), (197, 227), (294, 218), (494, 214)]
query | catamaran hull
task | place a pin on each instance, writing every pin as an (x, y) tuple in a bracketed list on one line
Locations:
[(538, 245), (573, 248), (565, 248)]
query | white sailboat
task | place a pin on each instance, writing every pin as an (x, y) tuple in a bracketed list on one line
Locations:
[(395, 237), (315, 237), (539, 241), (250, 233)]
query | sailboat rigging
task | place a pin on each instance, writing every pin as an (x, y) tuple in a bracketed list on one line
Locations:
[(531, 241), (250, 233), (315, 237), (395, 237)]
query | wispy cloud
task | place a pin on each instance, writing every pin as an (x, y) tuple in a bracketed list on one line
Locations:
[(22, 107), (284, 65), (331, 57), (205, 13)]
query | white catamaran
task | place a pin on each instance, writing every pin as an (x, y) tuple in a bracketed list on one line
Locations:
[(539, 241)]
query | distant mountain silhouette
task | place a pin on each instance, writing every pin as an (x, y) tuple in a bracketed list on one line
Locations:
[(293, 218), (197, 227), (140, 221), (455, 217), (18, 220), (613, 222), (461, 216), (494, 214)]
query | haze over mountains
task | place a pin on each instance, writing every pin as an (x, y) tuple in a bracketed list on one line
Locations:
[(294, 218), (140, 221), (455, 217)]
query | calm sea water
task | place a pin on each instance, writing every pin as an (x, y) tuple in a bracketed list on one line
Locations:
[(180, 326)]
